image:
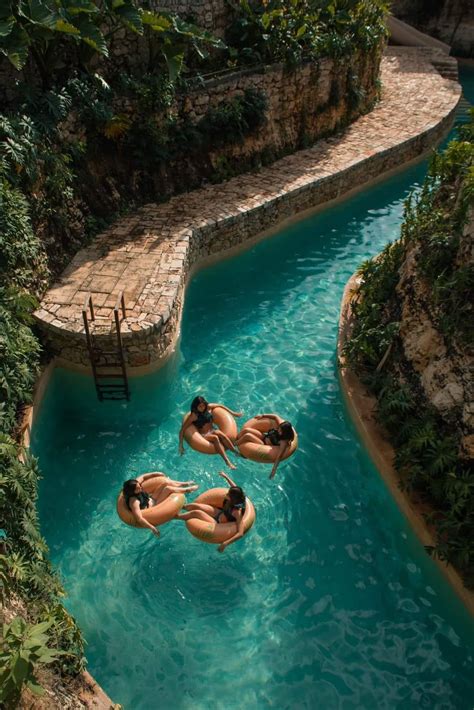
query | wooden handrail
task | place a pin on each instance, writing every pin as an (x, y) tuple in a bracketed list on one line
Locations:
[(120, 302), (119, 306), (88, 303)]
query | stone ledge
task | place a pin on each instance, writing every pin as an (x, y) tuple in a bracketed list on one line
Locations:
[(362, 406), (150, 254)]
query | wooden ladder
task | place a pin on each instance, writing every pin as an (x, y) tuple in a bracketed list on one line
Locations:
[(108, 385)]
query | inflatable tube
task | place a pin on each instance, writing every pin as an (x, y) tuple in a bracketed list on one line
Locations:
[(157, 514), (263, 453), (223, 421), (215, 533)]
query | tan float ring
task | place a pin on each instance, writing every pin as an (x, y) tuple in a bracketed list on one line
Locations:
[(157, 514), (263, 453), (215, 533), (223, 420)]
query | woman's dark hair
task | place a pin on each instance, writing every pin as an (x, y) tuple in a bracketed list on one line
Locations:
[(196, 402), (128, 489), (236, 495), (287, 433)]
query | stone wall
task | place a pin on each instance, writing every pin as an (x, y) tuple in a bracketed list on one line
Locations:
[(149, 340), (304, 103), (127, 50), (444, 369), (213, 15), (451, 21)]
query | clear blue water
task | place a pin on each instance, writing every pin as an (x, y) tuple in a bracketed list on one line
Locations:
[(330, 601)]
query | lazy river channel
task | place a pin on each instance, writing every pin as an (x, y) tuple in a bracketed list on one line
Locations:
[(330, 601)]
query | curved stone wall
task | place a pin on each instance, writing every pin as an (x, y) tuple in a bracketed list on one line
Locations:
[(150, 254)]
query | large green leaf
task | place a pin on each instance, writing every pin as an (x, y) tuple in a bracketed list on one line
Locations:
[(158, 23), (174, 62), (39, 13), (20, 669), (35, 688), (63, 25), (6, 25), (130, 16), (76, 7), (91, 34), (16, 46)]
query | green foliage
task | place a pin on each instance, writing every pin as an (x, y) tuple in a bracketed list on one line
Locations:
[(25, 569), (149, 138), (19, 353), (435, 222), (23, 647), (376, 319), (305, 29), (38, 28), (22, 258), (234, 119), (427, 447)]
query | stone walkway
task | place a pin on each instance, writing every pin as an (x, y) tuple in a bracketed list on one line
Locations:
[(149, 254)]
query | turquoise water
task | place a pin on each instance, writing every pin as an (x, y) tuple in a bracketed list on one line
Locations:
[(466, 77), (330, 601)]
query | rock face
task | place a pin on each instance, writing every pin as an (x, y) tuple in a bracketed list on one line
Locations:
[(451, 21), (445, 369)]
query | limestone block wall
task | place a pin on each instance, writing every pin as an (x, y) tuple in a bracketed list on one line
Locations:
[(304, 103), (213, 15), (149, 340)]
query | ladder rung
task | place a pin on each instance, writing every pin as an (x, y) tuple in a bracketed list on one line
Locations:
[(116, 386), (107, 376), (113, 399)]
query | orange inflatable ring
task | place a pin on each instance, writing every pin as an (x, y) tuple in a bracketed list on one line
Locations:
[(263, 453), (223, 420), (157, 514), (215, 533)]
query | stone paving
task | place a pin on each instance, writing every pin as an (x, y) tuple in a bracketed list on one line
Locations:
[(149, 255)]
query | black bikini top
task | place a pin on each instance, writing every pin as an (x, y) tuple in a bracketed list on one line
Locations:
[(202, 419), (227, 510), (274, 436), (142, 497)]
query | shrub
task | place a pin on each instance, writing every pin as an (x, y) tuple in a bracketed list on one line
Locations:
[(234, 119), (427, 446), (277, 31), (24, 646)]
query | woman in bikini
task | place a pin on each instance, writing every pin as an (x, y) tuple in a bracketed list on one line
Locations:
[(232, 511), (281, 435), (200, 416), (137, 499)]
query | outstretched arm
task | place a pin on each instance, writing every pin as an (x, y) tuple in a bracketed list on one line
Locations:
[(187, 421), (143, 523), (238, 534), (283, 446), (222, 406), (227, 478)]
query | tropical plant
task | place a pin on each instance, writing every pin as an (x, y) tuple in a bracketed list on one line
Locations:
[(289, 32), (38, 26), (427, 446), (23, 647), (230, 121)]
